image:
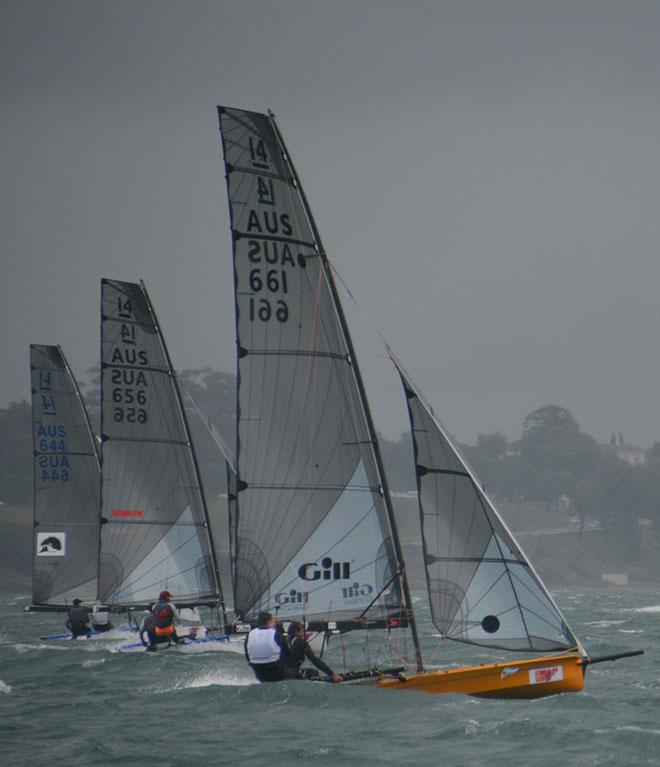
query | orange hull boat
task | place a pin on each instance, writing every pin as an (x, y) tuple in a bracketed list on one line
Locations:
[(528, 678)]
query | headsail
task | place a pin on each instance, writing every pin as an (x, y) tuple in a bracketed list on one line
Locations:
[(313, 535), (481, 586), (66, 484), (155, 533)]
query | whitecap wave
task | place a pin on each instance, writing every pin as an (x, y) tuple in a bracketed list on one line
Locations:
[(603, 624), (649, 609), (90, 663), (630, 728), (210, 679), (4, 687)]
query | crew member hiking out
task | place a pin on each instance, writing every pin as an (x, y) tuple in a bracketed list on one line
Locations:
[(299, 651), (265, 650), (78, 620)]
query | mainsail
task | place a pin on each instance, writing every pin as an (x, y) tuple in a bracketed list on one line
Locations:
[(482, 589), (155, 533), (66, 484), (313, 530)]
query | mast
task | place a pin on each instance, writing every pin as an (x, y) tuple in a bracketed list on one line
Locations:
[(363, 398), (186, 427)]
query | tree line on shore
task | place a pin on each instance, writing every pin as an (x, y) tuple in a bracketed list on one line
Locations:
[(554, 462)]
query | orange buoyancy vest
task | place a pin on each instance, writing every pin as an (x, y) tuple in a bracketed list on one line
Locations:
[(164, 619)]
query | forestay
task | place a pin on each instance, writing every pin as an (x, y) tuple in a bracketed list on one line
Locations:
[(155, 533), (312, 536), (481, 587), (66, 484)]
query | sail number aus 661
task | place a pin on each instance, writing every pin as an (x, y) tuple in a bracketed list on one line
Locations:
[(270, 281)]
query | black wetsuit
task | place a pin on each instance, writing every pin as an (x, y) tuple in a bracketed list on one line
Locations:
[(299, 651), (78, 621)]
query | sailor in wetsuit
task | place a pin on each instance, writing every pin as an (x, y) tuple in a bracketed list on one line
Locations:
[(299, 650), (265, 650), (78, 620)]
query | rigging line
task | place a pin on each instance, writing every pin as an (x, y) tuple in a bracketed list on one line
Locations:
[(396, 575), (548, 606)]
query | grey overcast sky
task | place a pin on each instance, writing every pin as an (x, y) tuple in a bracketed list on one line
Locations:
[(485, 175)]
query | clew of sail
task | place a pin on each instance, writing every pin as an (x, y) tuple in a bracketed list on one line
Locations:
[(155, 533), (482, 589), (311, 532), (66, 484)]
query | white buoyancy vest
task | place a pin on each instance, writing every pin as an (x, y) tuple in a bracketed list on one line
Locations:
[(262, 647)]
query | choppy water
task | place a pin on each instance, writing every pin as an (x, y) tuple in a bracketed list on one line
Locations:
[(83, 703)]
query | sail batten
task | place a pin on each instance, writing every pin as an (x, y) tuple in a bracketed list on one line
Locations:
[(66, 475), (156, 533), (306, 457)]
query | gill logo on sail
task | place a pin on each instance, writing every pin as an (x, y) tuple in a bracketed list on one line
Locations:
[(291, 597), (327, 570)]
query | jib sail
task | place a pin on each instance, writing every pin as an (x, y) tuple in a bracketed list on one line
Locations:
[(312, 531), (66, 484), (481, 587), (155, 533)]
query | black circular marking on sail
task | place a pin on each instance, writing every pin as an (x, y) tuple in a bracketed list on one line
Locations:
[(490, 624)]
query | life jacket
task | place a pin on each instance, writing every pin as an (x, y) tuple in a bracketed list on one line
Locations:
[(164, 619), (262, 647)]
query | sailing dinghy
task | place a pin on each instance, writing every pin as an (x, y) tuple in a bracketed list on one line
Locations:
[(65, 486), (314, 534), (155, 529)]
